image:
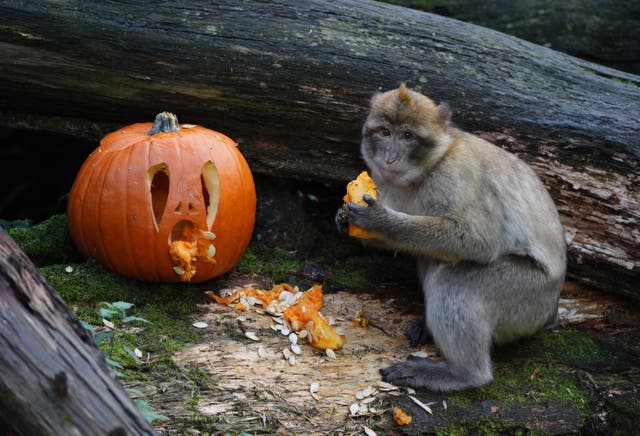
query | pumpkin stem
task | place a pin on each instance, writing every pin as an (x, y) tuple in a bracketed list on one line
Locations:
[(165, 122)]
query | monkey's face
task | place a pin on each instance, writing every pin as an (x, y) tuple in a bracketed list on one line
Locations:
[(404, 136)]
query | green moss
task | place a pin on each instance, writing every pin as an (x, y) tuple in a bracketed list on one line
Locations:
[(574, 348), (525, 383), (168, 307), (480, 426), (623, 412), (280, 265), (46, 242)]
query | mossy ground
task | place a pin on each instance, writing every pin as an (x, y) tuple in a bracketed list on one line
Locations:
[(579, 372)]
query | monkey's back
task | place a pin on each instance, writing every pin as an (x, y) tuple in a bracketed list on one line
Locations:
[(511, 202)]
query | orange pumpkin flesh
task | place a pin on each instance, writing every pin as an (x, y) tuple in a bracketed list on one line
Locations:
[(302, 315), (356, 189), (150, 205), (400, 417)]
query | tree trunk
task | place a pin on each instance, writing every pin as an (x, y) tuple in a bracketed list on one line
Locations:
[(291, 81), (602, 31), (53, 380)]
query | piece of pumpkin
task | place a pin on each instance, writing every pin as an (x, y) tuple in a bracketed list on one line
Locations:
[(363, 184), (305, 315), (302, 315), (400, 417)]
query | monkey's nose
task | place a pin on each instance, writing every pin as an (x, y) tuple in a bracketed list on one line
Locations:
[(390, 157)]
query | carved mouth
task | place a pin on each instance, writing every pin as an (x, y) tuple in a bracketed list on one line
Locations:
[(187, 245)]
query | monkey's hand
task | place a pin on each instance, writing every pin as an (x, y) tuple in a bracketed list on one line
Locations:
[(375, 217), (342, 220)]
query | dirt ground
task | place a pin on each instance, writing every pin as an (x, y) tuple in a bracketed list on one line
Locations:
[(257, 390)]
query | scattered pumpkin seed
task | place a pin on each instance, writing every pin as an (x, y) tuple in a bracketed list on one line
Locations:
[(315, 387), (354, 408), (252, 336), (293, 338)]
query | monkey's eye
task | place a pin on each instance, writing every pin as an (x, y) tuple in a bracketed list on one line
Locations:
[(385, 132), (407, 135)]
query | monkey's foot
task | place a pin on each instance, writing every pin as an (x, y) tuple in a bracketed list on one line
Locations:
[(423, 373), (417, 332)]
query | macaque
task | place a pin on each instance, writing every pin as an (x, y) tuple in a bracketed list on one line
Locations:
[(489, 243)]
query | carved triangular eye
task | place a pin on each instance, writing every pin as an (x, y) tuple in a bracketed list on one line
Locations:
[(158, 183), (192, 209), (210, 191), (178, 209)]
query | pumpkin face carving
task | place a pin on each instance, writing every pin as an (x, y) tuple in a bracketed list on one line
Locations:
[(176, 204)]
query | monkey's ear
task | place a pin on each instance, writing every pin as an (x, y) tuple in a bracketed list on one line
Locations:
[(444, 115)]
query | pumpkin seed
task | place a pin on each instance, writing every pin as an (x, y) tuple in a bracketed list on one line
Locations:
[(293, 338), (315, 387), (211, 251), (354, 408), (179, 270), (252, 336), (330, 354), (368, 431), (286, 353), (296, 348), (200, 324), (261, 352), (209, 235)]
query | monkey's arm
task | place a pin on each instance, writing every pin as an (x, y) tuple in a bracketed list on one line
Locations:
[(450, 238)]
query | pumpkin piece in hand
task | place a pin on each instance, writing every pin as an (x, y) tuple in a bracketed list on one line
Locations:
[(356, 189)]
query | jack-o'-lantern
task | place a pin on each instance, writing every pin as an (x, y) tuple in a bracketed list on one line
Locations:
[(164, 202)]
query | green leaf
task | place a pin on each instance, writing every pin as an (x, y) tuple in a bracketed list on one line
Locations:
[(149, 412), (136, 392), (134, 318), (100, 337), (131, 353), (107, 313), (113, 363), (122, 305), (89, 327)]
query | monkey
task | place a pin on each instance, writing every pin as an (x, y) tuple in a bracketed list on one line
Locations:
[(485, 232)]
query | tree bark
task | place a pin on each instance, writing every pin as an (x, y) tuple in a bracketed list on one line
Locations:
[(291, 81), (53, 380), (603, 31)]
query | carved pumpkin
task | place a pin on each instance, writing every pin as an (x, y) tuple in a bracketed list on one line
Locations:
[(164, 202)]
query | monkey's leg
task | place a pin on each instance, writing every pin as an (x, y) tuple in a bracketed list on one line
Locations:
[(461, 327), (417, 332), (463, 338)]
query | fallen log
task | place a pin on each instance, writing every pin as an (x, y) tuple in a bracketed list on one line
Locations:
[(577, 27), (291, 80), (53, 380)]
